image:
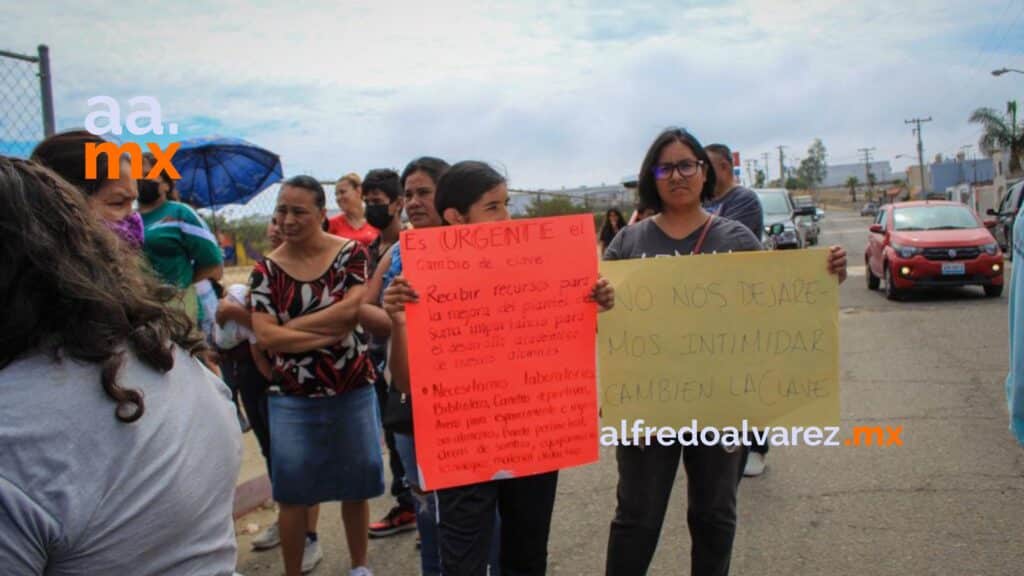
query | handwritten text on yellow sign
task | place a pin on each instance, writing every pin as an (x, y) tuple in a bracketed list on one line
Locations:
[(721, 338)]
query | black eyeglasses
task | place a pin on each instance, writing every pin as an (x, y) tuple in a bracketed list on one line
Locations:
[(686, 168)]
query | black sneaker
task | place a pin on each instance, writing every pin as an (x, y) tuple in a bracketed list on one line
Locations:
[(398, 520)]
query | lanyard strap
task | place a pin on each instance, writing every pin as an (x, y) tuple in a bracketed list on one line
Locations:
[(703, 235)]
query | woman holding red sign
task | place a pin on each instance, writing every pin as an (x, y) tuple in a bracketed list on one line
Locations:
[(419, 184), (474, 193), (674, 179)]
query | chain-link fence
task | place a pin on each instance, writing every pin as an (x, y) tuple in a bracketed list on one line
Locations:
[(241, 228), (26, 101)]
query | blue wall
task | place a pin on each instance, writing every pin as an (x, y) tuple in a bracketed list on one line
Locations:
[(952, 173)]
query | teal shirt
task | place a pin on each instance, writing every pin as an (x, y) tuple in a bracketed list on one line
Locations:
[(1015, 379), (178, 242)]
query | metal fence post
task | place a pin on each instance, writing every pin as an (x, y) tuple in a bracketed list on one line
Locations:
[(46, 89)]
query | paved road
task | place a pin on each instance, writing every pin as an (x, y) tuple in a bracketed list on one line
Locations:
[(949, 501)]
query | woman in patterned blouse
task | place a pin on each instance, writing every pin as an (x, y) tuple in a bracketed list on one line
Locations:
[(323, 415)]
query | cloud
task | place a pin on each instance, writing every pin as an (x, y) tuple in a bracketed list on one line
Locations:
[(556, 94)]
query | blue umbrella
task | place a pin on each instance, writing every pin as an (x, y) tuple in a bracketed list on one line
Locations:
[(216, 171)]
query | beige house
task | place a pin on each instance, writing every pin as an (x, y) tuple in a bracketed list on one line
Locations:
[(1002, 180), (914, 181)]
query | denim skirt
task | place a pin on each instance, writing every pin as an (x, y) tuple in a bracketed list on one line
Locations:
[(325, 449)]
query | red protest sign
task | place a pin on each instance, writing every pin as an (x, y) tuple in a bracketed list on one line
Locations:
[(501, 348)]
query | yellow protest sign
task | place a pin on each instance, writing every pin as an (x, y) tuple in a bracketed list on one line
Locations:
[(721, 338)]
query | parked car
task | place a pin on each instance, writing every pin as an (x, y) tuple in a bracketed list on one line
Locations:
[(808, 224), (932, 244), (779, 209), (1005, 214), (869, 209)]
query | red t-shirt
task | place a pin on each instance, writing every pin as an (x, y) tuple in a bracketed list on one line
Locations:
[(339, 226)]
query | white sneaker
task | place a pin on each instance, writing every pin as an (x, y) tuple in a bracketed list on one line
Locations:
[(267, 539), (755, 464), (360, 571), (311, 555)]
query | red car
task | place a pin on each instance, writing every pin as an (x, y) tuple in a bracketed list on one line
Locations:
[(932, 244)]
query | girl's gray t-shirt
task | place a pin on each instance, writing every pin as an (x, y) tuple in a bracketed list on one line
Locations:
[(82, 493), (646, 240)]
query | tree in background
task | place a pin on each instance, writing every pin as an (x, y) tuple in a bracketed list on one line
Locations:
[(852, 183), (1001, 132), (813, 168), (759, 179), (553, 206), (795, 183), (872, 180)]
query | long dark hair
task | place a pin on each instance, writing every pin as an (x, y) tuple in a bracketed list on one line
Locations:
[(607, 232), (68, 289), (647, 189), (314, 187), (463, 185), (64, 153), (429, 165)]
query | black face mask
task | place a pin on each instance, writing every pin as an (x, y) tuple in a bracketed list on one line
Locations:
[(378, 216), (149, 191)]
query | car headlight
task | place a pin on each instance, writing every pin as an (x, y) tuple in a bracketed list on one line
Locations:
[(906, 251), (991, 249)]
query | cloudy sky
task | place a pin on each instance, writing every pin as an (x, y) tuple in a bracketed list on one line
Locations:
[(555, 94)]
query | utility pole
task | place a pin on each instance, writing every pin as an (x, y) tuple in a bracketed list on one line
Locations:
[(1011, 109), (750, 173), (782, 166), (764, 156), (920, 152), (867, 170)]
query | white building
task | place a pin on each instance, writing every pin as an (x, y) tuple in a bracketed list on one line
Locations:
[(838, 174)]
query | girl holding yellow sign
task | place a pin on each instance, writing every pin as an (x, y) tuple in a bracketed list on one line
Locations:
[(675, 178)]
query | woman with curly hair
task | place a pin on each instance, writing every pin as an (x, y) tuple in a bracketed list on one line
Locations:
[(119, 450)]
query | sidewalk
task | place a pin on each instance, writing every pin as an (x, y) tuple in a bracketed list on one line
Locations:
[(393, 556)]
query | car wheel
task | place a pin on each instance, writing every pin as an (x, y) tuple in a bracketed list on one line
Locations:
[(873, 281), (994, 291), (891, 292)]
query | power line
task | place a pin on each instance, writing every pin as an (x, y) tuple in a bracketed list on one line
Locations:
[(989, 36), (979, 59)]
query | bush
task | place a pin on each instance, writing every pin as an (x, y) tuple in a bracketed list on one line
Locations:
[(553, 206)]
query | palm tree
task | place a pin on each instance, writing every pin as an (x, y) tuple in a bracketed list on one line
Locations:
[(852, 183), (1001, 132)]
